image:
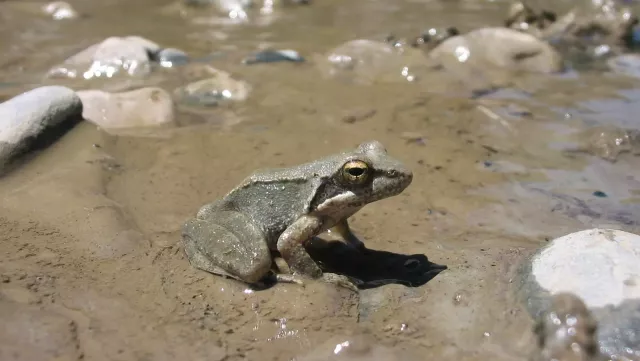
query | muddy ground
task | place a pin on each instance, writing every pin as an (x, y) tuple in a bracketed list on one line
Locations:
[(91, 262)]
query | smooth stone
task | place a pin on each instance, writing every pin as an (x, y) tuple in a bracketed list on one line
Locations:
[(171, 57), (368, 61), (60, 10), (500, 48), (213, 91), (29, 115), (602, 268), (131, 55), (146, 107), (273, 56)]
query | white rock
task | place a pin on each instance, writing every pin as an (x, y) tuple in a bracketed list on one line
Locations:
[(131, 55), (501, 48), (219, 88), (601, 266), (60, 10), (29, 114), (144, 107)]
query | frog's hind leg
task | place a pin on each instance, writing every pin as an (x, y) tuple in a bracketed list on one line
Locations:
[(227, 243), (199, 261)]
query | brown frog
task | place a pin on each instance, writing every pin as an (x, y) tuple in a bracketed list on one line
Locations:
[(281, 209)]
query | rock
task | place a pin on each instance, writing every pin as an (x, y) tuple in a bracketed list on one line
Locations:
[(213, 91), (609, 142), (601, 267), (272, 56), (500, 48), (146, 107), (368, 61), (28, 333), (60, 10), (567, 331), (130, 55), (171, 57), (33, 115)]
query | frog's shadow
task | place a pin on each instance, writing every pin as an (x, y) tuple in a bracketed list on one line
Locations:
[(370, 268)]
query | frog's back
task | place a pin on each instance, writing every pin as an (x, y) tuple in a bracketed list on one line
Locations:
[(272, 200)]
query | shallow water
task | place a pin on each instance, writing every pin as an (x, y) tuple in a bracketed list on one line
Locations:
[(90, 226)]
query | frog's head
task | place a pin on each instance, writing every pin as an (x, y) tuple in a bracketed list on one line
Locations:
[(360, 177)]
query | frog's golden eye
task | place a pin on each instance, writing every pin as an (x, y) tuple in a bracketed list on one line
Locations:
[(355, 172)]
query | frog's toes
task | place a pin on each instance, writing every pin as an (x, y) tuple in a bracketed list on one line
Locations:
[(339, 280)]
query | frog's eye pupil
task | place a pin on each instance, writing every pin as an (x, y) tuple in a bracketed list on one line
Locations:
[(356, 172)]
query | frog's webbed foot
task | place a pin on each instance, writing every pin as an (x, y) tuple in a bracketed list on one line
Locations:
[(339, 280)]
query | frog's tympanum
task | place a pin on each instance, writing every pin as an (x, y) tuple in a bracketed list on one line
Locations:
[(281, 209)]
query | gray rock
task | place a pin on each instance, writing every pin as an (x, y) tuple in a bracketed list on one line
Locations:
[(146, 107), (171, 57), (217, 89), (500, 48), (28, 115), (600, 266), (129, 55)]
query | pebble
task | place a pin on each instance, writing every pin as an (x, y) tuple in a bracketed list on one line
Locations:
[(171, 57), (145, 107), (272, 56), (213, 91), (602, 268), (31, 114), (60, 10), (130, 55)]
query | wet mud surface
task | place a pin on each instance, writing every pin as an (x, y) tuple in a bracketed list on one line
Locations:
[(91, 264)]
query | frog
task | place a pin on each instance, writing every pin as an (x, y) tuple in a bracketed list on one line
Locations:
[(279, 210)]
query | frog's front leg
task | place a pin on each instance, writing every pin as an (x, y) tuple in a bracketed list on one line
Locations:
[(291, 248), (343, 229)]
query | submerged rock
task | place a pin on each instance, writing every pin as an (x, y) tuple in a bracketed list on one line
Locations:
[(31, 115), (171, 57), (600, 266), (609, 142), (131, 55), (499, 48), (146, 107), (213, 91), (566, 331), (368, 61)]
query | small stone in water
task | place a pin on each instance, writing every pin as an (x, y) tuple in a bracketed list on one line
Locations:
[(487, 163), (600, 194), (171, 57), (272, 56), (60, 10)]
